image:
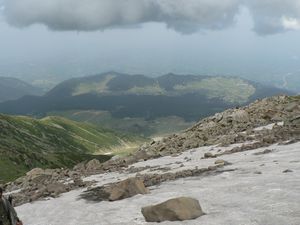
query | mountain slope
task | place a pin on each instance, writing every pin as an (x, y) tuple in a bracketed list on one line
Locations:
[(190, 97), (237, 160), (12, 88), (52, 142), (280, 113)]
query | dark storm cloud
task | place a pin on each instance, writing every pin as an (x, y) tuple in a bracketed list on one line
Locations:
[(185, 16), (181, 15)]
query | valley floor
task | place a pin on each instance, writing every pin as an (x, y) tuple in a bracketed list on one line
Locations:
[(256, 189)]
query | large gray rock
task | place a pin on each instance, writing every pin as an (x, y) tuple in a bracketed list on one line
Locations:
[(127, 188), (177, 209)]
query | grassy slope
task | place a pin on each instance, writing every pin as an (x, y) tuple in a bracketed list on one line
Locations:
[(52, 142), (138, 126), (231, 90)]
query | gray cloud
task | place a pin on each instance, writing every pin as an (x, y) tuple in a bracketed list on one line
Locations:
[(181, 15), (185, 16), (274, 16)]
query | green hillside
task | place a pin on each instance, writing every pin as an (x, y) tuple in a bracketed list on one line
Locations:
[(136, 125), (52, 142)]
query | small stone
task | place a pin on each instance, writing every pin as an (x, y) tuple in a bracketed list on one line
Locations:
[(212, 167), (266, 151), (221, 162), (209, 155), (287, 171)]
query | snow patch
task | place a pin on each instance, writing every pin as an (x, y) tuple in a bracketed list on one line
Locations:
[(237, 197)]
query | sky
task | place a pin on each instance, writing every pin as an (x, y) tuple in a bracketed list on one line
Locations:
[(58, 39)]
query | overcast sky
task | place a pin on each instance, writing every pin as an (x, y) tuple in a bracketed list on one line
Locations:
[(76, 37)]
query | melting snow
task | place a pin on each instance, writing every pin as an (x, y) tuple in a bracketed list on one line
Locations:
[(238, 197)]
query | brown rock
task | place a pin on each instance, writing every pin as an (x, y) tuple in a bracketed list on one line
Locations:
[(209, 155), (177, 209), (127, 188), (93, 165), (56, 188), (221, 162), (78, 182), (35, 172), (240, 116)]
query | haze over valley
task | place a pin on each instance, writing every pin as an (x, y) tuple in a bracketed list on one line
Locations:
[(248, 45)]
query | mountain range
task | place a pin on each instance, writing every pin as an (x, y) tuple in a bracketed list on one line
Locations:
[(187, 96), (12, 88)]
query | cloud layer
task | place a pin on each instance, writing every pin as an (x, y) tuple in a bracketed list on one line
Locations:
[(185, 16), (273, 16)]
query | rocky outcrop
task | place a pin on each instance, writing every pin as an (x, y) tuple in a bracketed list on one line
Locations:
[(177, 209), (237, 126), (39, 183), (87, 167)]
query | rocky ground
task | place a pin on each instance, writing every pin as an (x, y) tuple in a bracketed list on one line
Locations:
[(242, 165)]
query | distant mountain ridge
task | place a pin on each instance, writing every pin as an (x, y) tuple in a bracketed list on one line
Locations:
[(12, 88), (188, 96), (113, 83)]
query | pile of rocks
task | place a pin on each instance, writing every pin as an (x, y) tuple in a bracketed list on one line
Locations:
[(236, 126), (39, 183)]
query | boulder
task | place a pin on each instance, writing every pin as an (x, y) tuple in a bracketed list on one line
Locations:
[(78, 182), (240, 116), (35, 172), (93, 165), (127, 188), (177, 209), (55, 189)]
